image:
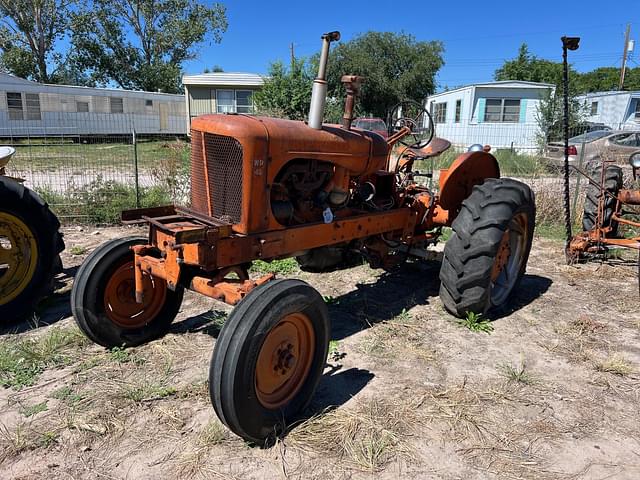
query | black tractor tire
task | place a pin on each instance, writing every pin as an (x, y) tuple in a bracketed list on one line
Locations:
[(23, 210), (612, 184), (498, 212), (238, 361), (96, 315)]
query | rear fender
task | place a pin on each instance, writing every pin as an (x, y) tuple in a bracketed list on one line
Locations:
[(457, 181)]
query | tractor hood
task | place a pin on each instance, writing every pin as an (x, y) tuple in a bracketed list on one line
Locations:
[(359, 151)]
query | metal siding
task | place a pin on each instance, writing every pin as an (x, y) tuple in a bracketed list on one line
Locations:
[(59, 113), (201, 101)]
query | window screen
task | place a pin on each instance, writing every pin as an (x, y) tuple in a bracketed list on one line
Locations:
[(244, 101), (14, 103), (116, 105), (82, 107), (33, 106), (440, 112)]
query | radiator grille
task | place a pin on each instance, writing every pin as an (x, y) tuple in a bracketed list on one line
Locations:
[(199, 200), (224, 173)]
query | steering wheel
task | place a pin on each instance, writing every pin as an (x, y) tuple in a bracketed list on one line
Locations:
[(411, 114)]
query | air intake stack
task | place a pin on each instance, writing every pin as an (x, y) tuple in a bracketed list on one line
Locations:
[(319, 91)]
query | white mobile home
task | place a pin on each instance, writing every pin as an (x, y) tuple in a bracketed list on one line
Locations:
[(34, 109), (618, 110), (501, 114)]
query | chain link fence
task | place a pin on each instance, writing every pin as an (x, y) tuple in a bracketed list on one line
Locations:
[(89, 172)]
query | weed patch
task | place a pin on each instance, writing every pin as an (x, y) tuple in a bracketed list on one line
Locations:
[(476, 323), (284, 266), (67, 395), (516, 373), (30, 410), (123, 355), (22, 360), (615, 364), (77, 250)]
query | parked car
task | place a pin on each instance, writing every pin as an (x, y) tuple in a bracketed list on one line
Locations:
[(612, 145), (556, 132), (376, 125)]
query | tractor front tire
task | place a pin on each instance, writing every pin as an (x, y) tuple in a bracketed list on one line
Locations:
[(486, 256), (269, 358), (612, 184), (103, 298), (30, 246)]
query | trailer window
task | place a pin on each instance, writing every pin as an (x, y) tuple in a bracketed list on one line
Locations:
[(82, 107), (458, 110), (116, 105), (244, 101), (440, 112), (225, 101), (14, 103), (502, 110), (594, 108), (33, 106)]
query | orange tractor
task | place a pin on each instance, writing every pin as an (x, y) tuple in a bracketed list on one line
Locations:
[(265, 188), (607, 206)]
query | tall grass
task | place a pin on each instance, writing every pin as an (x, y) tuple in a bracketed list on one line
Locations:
[(510, 162), (101, 201)]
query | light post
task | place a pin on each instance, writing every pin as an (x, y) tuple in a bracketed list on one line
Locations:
[(568, 43)]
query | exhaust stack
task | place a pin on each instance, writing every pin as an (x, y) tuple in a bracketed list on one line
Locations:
[(319, 91)]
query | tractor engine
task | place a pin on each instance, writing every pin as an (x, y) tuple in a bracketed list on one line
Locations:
[(262, 174)]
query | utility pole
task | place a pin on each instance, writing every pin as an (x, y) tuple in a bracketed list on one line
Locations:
[(293, 57), (624, 56)]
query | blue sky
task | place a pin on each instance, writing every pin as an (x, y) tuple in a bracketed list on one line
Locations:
[(478, 36)]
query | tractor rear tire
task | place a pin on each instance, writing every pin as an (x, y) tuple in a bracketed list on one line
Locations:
[(30, 246), (612, 184), (103, 298), (487, 253), (269, 358)]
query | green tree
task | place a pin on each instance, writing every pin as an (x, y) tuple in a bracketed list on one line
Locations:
[(286, 91), (550, 114), (142, 44), (214, 69), (528, 67), (396, 67), (29, 30), (606, 79)]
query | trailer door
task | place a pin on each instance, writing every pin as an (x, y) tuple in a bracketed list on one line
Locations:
[(164, 117)]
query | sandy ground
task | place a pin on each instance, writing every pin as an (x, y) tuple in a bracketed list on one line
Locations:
[(551, 393)]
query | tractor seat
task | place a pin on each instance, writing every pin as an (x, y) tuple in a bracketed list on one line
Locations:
[(433, 149)]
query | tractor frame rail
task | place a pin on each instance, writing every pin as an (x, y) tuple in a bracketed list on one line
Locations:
[(206, 255)]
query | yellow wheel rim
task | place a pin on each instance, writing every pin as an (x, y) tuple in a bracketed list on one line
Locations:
[(18, 257)]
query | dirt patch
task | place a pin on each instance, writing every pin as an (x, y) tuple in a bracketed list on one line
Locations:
[(552, 392)]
